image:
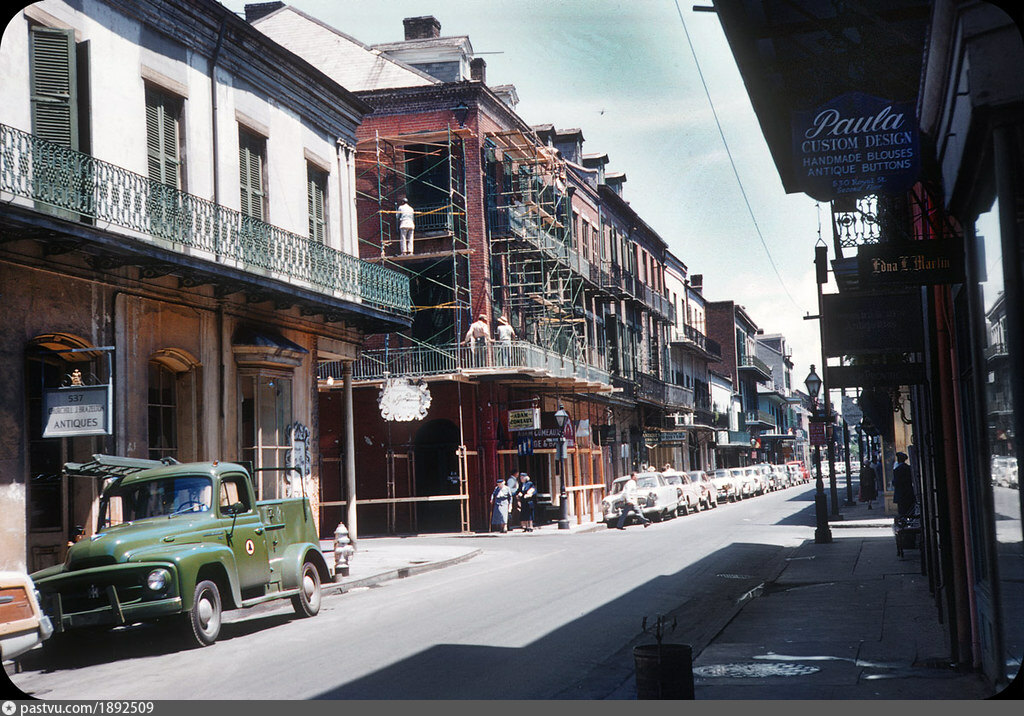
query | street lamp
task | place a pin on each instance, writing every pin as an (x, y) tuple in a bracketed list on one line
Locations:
[(560, 419), (822, 532)]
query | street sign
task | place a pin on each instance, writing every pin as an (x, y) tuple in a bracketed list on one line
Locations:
[(817, 431)]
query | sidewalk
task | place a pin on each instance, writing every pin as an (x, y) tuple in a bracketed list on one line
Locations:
[(845, 620)]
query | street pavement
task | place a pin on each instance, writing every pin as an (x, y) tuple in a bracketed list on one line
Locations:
[(845, 620)]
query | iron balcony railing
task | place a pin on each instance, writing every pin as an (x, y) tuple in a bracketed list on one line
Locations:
[(702, 416), (749, 361), (656, 390), (691, 335), (79, 186), (759, 418), (996, 350), (423, 361)]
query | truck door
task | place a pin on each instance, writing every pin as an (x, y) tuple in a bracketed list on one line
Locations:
[(246, 537)]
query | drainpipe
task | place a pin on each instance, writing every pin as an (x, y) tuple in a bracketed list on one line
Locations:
[(213, 110)]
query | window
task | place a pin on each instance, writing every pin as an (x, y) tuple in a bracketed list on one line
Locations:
[(163, 137), (163, 413), (252, 153), (316, 194)]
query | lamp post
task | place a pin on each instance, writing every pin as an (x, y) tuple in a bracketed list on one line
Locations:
[(822, 532), (560, 419)]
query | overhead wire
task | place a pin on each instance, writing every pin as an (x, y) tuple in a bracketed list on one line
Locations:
[(732, 162)]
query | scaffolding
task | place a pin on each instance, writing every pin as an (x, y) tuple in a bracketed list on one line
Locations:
[(428, 168), (536, 271)]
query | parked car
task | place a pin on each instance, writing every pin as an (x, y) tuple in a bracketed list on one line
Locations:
[(760, 484), (708, 493), (805, 476), (657, 499), (782, 477), (726, 484), (689, 494), (768, 475), (747, 484), (1005, 471), (22, 623)]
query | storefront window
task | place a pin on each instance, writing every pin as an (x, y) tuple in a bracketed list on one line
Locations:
[(1002, 444)]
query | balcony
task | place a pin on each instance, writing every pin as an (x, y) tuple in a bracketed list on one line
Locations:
[(756, 365), (996, 351), (693, 339), (176, 232), (670, 395), (759, 419), (425, 361)]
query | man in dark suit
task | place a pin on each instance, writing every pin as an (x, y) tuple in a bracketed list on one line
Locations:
[(903, 485)]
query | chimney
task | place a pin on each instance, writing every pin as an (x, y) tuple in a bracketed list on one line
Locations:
[(421, 28), (254, 11), (478, 70), (697, 282)]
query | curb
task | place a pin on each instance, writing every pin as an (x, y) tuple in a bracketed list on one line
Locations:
[(398, 573)]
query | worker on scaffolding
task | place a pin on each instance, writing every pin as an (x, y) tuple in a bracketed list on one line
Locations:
[(479, 336), (506, 334), (406, 226)]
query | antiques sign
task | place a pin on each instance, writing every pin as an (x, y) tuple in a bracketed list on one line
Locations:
[(77, 410), (402, 401), (872, 323), (915, 263), (856, 144), (528, 419)]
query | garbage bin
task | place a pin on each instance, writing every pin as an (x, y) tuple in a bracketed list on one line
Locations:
[(664, 671)]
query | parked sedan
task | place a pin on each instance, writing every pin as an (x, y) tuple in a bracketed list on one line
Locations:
[(727, 486), (746, 480), (656, 498), (22, 623), (708, 493), (758, 479), (689, 494)]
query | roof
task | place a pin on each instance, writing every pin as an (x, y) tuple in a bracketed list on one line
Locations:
[(344, 59)]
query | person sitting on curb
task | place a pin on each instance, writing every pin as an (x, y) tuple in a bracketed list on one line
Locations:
[(630, 503)]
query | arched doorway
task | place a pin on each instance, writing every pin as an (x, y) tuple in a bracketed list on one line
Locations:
[(437, 473), (57, 508)]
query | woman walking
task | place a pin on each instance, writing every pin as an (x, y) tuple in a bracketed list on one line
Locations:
[(501, 498)]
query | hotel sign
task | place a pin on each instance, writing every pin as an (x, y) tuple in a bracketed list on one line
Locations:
[(76, 411), (856, 144), (916, 263)]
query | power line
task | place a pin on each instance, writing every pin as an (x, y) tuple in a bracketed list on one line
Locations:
[(732, 162)]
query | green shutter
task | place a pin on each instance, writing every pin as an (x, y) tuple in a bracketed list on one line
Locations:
[(250, 175), (53, 85), (315, 185), (162, 138)]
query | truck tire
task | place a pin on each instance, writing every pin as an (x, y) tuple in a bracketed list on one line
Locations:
[(205, 615), (307, 602)]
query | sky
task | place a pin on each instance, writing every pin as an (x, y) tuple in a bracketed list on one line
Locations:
[(624, 73)]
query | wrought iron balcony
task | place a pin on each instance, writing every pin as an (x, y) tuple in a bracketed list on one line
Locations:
[(759, 419), (703, 417), (78, 187), (693, 338), (424, 361), (996, 351), (757, 365)]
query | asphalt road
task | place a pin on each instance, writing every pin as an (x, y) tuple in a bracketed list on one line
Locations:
[(535, 616)]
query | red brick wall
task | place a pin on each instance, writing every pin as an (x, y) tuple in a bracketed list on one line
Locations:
[(722, 328)]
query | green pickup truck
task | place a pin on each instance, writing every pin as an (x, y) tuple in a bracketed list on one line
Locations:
[(183, 541)]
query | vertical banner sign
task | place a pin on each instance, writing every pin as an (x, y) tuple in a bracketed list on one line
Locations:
[(854, 145)]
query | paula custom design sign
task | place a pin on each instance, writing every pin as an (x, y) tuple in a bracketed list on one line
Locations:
[(856, 144)]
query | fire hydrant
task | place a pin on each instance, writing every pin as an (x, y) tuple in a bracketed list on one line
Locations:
[(343, 551)]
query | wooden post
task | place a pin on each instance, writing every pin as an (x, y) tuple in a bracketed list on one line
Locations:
[(577, 499)]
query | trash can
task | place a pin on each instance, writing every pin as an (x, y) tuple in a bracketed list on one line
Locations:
[(664, 671)]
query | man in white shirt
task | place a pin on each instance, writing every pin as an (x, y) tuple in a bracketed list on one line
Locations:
[(406, 227), (478, 336), (630, 503)]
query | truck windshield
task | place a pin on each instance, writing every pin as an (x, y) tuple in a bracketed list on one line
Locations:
[(155, 498)]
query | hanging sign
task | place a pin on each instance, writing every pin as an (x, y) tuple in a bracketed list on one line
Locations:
[(914, 263), (818, 434), (856, 144), (873, 375), (527, 419), (871, 323), (77, 410), (401, 400)]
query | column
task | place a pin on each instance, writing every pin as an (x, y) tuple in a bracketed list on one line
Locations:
[(350, 455)]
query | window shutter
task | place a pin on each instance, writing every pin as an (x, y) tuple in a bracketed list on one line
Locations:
[(250, 175), (53, 85), (162, 138), (315, 198)]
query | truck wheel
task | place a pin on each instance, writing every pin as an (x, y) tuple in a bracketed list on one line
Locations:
[(205, 614), (307, 602)]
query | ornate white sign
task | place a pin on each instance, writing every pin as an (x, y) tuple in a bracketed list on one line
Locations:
[(402, 401)]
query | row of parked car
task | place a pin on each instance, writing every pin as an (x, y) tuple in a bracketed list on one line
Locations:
[(666, 494)]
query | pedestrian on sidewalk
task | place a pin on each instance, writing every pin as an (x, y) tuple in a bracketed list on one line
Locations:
[(527, 493), (868, 489), (903, 486), (501, 498), (630, 503)]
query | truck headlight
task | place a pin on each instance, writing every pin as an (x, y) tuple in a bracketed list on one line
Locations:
[(157, 580)]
